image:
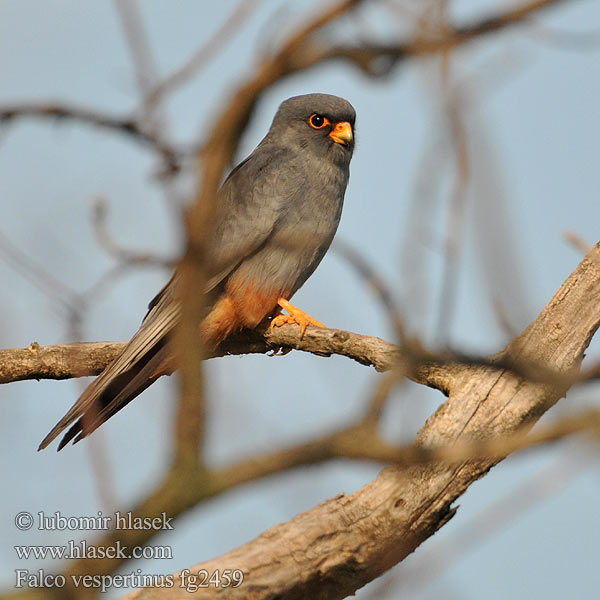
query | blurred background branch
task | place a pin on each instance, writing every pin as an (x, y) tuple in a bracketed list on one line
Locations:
[(443, 452)]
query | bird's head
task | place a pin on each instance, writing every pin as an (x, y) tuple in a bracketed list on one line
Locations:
[(319, 123)]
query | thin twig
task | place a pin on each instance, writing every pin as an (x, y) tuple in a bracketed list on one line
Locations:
[(375, 281), (577, 242), (216, 42), (90, 116), (123, 255)]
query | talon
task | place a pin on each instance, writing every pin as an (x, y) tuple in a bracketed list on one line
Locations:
[(296, 316), (281, 351)]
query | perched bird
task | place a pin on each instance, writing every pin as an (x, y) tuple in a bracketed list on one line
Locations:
[(276, 216)]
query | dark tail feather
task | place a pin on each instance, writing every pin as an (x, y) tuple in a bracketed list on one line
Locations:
[(127, 388), (142, 362), (95, 407)]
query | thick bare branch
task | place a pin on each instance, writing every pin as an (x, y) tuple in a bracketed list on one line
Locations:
[(437, 370), (64, 361), (335, 548), (340, 545), (301, 51), (486, 401), (61, 361)]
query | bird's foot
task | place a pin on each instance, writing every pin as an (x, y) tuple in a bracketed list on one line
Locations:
[(296, 316), (280, 351)]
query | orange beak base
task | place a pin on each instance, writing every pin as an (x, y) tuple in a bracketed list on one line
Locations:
[(342, 133)]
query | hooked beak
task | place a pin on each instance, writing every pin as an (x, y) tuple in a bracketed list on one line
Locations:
[(342, 133)]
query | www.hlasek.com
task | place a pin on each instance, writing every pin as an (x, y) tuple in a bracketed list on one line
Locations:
[(76, 550)]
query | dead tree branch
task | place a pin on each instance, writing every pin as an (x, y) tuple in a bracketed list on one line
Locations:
[(488, 414), (345, 542), (302, 50), (66, 361), (128, 126), (342, 544)]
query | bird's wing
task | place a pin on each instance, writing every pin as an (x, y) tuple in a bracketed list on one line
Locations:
[(251, 200), (257, 193)]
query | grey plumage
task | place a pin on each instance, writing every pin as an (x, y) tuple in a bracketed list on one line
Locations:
[(276, 216)]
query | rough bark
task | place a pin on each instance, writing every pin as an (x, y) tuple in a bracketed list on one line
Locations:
[(335, 548)]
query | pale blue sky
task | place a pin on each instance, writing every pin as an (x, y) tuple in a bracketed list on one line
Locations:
[(534, 134)]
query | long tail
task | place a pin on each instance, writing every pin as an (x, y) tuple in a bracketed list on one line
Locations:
[(145, 358), (141, 363)]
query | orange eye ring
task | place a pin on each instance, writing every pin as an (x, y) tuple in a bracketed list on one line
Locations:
[(318, 121)]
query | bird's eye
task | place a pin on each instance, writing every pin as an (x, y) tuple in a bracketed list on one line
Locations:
[(318, 121)]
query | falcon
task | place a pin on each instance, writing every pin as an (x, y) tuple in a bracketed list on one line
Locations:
[(276, 215)]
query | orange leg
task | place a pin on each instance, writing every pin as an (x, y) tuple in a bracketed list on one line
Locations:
[(296, 316)]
